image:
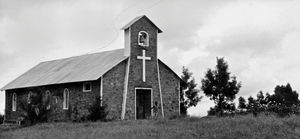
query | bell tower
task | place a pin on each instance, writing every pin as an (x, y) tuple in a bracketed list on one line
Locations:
[(141, 48), (141, 32)]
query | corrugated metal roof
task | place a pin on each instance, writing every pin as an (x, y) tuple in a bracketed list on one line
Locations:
[(74, 69), (138, 18)]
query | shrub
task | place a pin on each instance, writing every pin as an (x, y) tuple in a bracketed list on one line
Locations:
[(1, 118), (34, 110), (97, 112)]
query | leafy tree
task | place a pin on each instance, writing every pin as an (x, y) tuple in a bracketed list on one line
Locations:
[(211, 111), (285, 95), (219, 86), (252, 106), (189, 93), (242, 103), (261, 101), (284, 101), (230, 107), (261, 98)]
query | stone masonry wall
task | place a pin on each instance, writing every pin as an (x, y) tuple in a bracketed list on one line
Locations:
[(78, 100), (113, 87), (170, 85)]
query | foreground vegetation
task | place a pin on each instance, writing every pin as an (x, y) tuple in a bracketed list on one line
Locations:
[(208, 127)]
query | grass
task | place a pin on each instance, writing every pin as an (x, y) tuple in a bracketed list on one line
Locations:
[(213, 127)]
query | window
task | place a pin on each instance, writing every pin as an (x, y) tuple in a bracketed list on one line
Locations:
[(143, 39), (87, 87), (66, 99), (29, 97), (55, 99), (14, 102), (47, 99)]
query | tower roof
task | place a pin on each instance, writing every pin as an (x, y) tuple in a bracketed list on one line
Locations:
[(138, 18)]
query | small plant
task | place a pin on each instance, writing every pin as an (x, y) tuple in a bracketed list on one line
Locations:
[(1, 118), (97, 112)]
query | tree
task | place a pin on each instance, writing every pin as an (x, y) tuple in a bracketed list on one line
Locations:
[(219, 86), (284, 101), (286, 96), (242, 103), (252, 106), (261, 101), (189, 93)]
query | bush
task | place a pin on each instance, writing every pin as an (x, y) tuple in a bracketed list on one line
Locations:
[(1, 118), (34, 110), (97, 112)]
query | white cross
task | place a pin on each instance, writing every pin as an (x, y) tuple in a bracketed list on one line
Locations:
[(144, 58)]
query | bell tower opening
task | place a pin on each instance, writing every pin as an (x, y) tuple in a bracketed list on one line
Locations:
[(143, 39)]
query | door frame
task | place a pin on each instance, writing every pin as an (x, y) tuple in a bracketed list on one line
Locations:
[(151, 95)]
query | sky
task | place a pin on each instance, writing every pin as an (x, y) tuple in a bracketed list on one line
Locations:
[(259, 38)]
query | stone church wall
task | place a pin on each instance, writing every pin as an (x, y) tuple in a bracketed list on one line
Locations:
[(170, 85), (79, 101), (113, 87)]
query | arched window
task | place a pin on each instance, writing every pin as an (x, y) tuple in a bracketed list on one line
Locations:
[(14, 102), (66, 99), (143, 39)]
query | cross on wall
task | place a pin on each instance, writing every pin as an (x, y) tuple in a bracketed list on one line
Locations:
[(144, 58)]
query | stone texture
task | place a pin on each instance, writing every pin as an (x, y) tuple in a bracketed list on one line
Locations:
[(170, 85), (79, 99), (113, 86)]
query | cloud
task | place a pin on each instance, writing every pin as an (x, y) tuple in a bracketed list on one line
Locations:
[(259, 40)]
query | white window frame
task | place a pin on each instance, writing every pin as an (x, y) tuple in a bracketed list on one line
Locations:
[(84, 87), (66, 100), (29, 95), (14, 102), (147, 39), (48, 98)]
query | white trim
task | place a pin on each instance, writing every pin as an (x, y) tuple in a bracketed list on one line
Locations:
[(136, 88), (101, 91), (125, 90), (84, 87), (48, 100), (66, 99), (144, 58), (14, 102), (147, 39), (179, 97), (160, 93)]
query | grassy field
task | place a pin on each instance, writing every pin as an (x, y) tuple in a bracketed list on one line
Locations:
[(227, 127)]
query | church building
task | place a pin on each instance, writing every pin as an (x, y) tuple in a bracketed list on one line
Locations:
[(129, 81)]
